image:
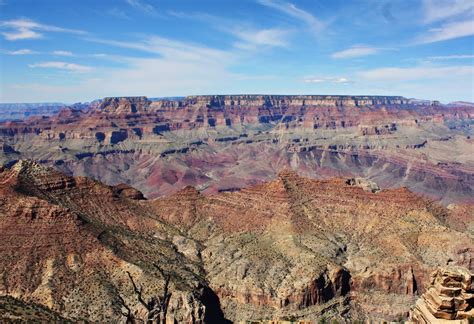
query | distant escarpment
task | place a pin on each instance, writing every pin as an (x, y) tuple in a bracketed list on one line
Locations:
[(293, 249), (212, 142)]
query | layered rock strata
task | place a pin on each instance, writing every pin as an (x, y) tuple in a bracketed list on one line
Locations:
[(210, 142), (449, 299)]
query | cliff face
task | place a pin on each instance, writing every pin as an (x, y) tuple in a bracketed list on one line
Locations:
[(210, 141), (450, 297), (282, 100)]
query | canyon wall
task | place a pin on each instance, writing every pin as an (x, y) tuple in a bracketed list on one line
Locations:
[(211, 141)]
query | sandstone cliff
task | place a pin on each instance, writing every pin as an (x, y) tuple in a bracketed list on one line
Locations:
[(449, 299)]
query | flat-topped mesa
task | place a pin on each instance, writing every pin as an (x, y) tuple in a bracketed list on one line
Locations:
[(293, 100), (124, 104), (141, 104)]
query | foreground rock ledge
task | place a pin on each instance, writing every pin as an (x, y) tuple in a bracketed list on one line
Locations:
[(450, 299)]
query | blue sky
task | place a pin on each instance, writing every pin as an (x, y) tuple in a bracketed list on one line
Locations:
[(70, 51)]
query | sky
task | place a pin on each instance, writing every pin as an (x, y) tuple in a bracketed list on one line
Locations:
[(77, 51)]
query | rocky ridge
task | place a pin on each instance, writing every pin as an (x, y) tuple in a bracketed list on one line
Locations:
[(289, 249), (79, 248)]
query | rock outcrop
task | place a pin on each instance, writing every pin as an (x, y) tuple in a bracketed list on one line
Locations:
[(365, 184), (449, 298)]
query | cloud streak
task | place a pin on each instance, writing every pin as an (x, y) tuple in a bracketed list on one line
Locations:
[(340, 80), (252, 39), (62, 66), (356, 51), (171, 49), (448, 31), (24, 51), (248, 37), (437, 10), (293, 11), (450, 19), (20, 29), (62, 53)]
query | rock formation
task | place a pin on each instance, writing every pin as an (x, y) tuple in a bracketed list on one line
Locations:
[(449, 299), (365, 184), (87, 251), (210, 142), (289, 249)]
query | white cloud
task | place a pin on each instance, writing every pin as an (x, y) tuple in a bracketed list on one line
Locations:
[(291, 10), (21, 33), (62, 66), (450, 19), (448, 31), (326, 80), (62, 53), (19, 29), (356, 51), (436, 10), (252, 39), (171, 49), (22, 52), (248, 37), (415, 73), (176, 67)]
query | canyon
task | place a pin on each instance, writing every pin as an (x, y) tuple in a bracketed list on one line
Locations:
[(224, 143), (239, 208), (289, 249)]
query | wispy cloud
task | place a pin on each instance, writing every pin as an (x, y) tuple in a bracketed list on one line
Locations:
[(448, 31), (142, 6), (436, 10), (356, 51), (248, 36), (168, 48), (293, 11), (252, 39), (24, 51), (326, 80), (62, 53), (415, 73), (62, 66), (19, 29), (450, 19)]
